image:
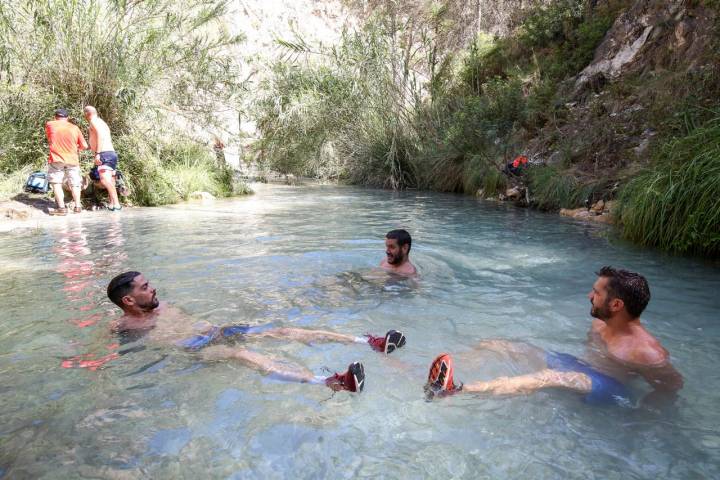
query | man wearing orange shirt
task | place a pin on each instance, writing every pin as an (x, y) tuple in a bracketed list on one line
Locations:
[(64, 140)]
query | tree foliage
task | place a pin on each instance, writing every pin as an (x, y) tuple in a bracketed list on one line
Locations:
[(152, 69)]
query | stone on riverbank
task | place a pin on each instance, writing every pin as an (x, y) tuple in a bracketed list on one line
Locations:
[(600, 212), (201, 196)]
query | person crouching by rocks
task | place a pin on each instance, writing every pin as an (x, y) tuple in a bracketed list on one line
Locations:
[(105, 157), (516, 167), (64, 141)]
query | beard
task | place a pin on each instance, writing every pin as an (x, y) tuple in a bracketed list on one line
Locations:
[(602, 312), (151, 305), (395, 259)]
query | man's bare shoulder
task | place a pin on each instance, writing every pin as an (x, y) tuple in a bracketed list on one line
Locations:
[(407, 269), (641, 351)]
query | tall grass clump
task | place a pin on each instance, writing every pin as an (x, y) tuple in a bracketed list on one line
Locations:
[(152, 70), (345, 113), (552, 189), (12, 183), (674, 204)]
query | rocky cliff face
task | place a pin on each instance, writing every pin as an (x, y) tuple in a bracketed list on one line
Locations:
[(656, 57), (653, 36)]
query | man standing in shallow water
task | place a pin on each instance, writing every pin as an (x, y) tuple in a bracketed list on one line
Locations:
[(397, 253), (621, 347), (145, 314)]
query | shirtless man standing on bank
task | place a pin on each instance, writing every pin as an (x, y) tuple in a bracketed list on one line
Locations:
[(105, 157), (145, 315), (620, 348), (397, 253)]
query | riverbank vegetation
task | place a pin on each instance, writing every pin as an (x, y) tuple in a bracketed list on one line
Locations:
[(389, 107), (410, 100), (675, 203), (154, 71)]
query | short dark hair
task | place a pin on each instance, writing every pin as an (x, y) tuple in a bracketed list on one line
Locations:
[(120, 286), (630, 287), (61, 113), (402, 237)]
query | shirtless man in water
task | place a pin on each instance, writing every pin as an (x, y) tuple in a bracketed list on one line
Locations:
[(620, 347), (397, 253), (144, 314)]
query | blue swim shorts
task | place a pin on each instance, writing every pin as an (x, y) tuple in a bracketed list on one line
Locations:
[(109, 161), (196, 342), (605, 389)]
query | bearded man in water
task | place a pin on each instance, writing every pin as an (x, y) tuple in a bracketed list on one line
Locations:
[(397, 253), (145, 315), (621, 348)]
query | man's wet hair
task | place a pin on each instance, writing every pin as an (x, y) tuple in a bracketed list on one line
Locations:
[(120, 286), (402, 237), (630, 287)]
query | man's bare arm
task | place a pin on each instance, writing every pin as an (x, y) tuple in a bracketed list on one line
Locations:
[(662, 377)]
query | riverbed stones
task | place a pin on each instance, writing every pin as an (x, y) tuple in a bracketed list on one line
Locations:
[(16, 214), (201, 196), (600, 212), (514, 193)]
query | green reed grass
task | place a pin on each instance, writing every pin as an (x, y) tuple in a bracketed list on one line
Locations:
[(553, 189), (675, 203), (141, 64)]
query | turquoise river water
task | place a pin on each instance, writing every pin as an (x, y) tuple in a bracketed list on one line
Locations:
[(72, 407)]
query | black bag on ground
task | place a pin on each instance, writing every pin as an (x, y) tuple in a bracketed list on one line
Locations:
[(37, 182)]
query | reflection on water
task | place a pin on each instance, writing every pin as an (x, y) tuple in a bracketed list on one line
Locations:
[(126, 408)]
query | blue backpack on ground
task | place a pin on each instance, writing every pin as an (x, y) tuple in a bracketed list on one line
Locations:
[(37, 182)]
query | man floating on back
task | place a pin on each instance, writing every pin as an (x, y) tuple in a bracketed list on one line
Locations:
[(144, 314)]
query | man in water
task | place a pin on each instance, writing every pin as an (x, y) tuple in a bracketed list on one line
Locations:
[(105, 157), (397, 253), (144, 314), (620, 348), (64, 140)]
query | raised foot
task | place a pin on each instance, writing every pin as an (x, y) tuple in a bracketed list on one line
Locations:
[(352, 380), (387, 344), (440, 381)]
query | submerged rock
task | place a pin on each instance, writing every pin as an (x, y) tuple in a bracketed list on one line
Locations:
[(202, 196)]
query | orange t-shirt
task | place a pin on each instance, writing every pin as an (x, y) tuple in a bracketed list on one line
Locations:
[(64, 140)]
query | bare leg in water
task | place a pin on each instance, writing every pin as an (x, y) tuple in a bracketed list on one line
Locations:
[(353, 379), (544, 377), (388, 343), (310, 336), (526, 384), (259, 362)]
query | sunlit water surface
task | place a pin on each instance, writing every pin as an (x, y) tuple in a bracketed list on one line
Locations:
[(303, 257)]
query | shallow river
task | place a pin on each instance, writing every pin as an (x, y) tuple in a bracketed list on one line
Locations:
[(71, 407)]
